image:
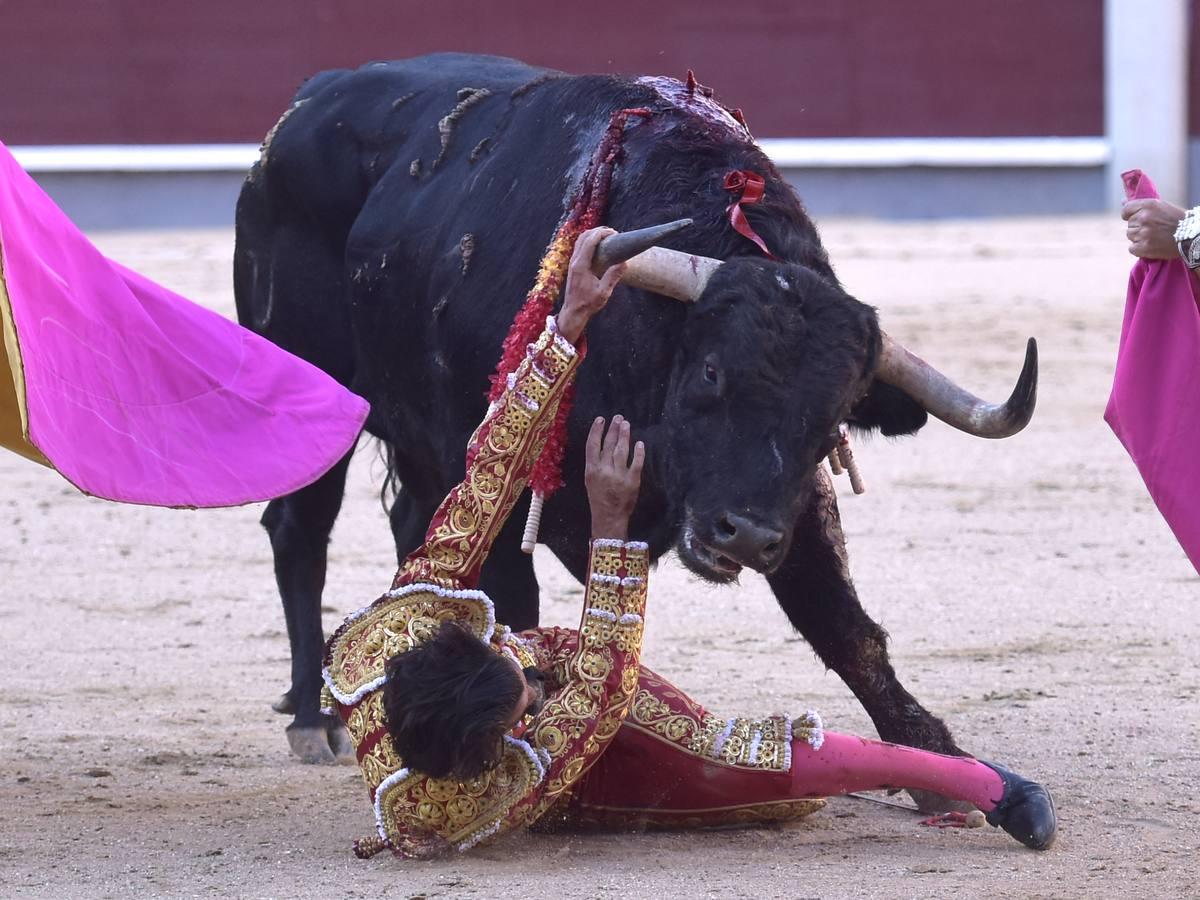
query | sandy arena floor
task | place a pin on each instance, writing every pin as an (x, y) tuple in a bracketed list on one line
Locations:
[(1033, 596)]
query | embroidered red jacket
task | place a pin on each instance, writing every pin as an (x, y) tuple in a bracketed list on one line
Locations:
[(421, 816)]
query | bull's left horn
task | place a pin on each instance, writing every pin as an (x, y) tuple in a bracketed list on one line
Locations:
[(617, 248), (954, 405), (681, 276)]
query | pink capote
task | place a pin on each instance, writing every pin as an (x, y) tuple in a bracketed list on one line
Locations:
[(136, 394), (1155, 404)]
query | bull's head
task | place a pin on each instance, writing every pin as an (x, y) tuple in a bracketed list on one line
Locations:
[(772, 359)]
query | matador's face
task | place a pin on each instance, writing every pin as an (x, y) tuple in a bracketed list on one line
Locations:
[(533, 692)]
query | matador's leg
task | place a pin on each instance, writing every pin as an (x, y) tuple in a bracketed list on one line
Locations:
[(673, 764)]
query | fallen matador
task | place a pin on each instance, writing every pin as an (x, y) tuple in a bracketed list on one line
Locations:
[(465, 730)]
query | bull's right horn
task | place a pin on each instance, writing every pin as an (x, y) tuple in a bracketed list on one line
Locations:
[(954, 405)]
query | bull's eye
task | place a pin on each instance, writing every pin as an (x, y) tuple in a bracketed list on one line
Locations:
[(710, 373)]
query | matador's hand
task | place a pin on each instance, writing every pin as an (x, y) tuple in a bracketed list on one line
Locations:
[(586, 294), (612, 478), (1151, 228)]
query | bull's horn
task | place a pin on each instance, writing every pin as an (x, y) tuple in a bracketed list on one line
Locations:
[(617, 248), (683, 276), (955, 406), (669, 272)]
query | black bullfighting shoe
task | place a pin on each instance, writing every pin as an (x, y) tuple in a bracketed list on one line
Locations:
[(1026, 811)]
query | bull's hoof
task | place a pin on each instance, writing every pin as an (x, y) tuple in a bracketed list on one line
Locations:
[(311, 745), (930, 803), (284, 705), (341, 745)]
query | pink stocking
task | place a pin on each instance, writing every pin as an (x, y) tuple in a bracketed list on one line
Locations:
[(847, 763)]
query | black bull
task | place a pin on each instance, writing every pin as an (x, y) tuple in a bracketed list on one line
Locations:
[(389, 233)]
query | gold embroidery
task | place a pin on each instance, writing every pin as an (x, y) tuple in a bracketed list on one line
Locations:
[(416, 810), (525, 651), (753, 743), (507, 443), (651, 712), (458, 812), (608, 726), (396, 624), (366, 717), (604, 597), (637, 563), (379, 762), (549, 737), (595, 699), (536, 389), (606, 561), (624, 636)]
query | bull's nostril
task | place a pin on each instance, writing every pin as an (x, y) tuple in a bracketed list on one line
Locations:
[(770, 549), (727, 528)]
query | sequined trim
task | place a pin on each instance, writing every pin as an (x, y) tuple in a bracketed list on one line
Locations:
[(618, 544), (627, 581), (787, 747), (480, 596), (480, 837), (528, 750), (380, 793), (815, 728), (755, 743), (559, 341)]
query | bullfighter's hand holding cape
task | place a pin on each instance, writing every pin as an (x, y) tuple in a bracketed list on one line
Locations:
[(1154, 407), (134, 393)]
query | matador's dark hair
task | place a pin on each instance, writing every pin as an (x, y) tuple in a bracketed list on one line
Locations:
[(448, 704)]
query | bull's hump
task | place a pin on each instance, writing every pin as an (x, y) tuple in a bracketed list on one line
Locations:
[(677, 94)]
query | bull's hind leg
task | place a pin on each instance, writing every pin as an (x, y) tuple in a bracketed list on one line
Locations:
[(813, 587), (288, 286), (299, 525)]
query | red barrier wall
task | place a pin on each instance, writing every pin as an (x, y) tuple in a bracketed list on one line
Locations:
[(134, 71)]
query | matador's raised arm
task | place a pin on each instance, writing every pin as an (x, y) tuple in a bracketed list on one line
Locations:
[(500, 457)]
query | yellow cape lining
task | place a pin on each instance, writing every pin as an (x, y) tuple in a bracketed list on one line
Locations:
[(14, 414)]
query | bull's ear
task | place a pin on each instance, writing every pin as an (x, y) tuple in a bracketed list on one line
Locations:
[(888, 409)]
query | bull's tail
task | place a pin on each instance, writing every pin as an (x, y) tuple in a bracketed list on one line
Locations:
[(390, 489)]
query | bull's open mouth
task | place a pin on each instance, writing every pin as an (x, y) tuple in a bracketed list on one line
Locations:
[(701, 559)]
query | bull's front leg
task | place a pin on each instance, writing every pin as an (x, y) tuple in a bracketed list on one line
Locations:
[(814, 589)]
